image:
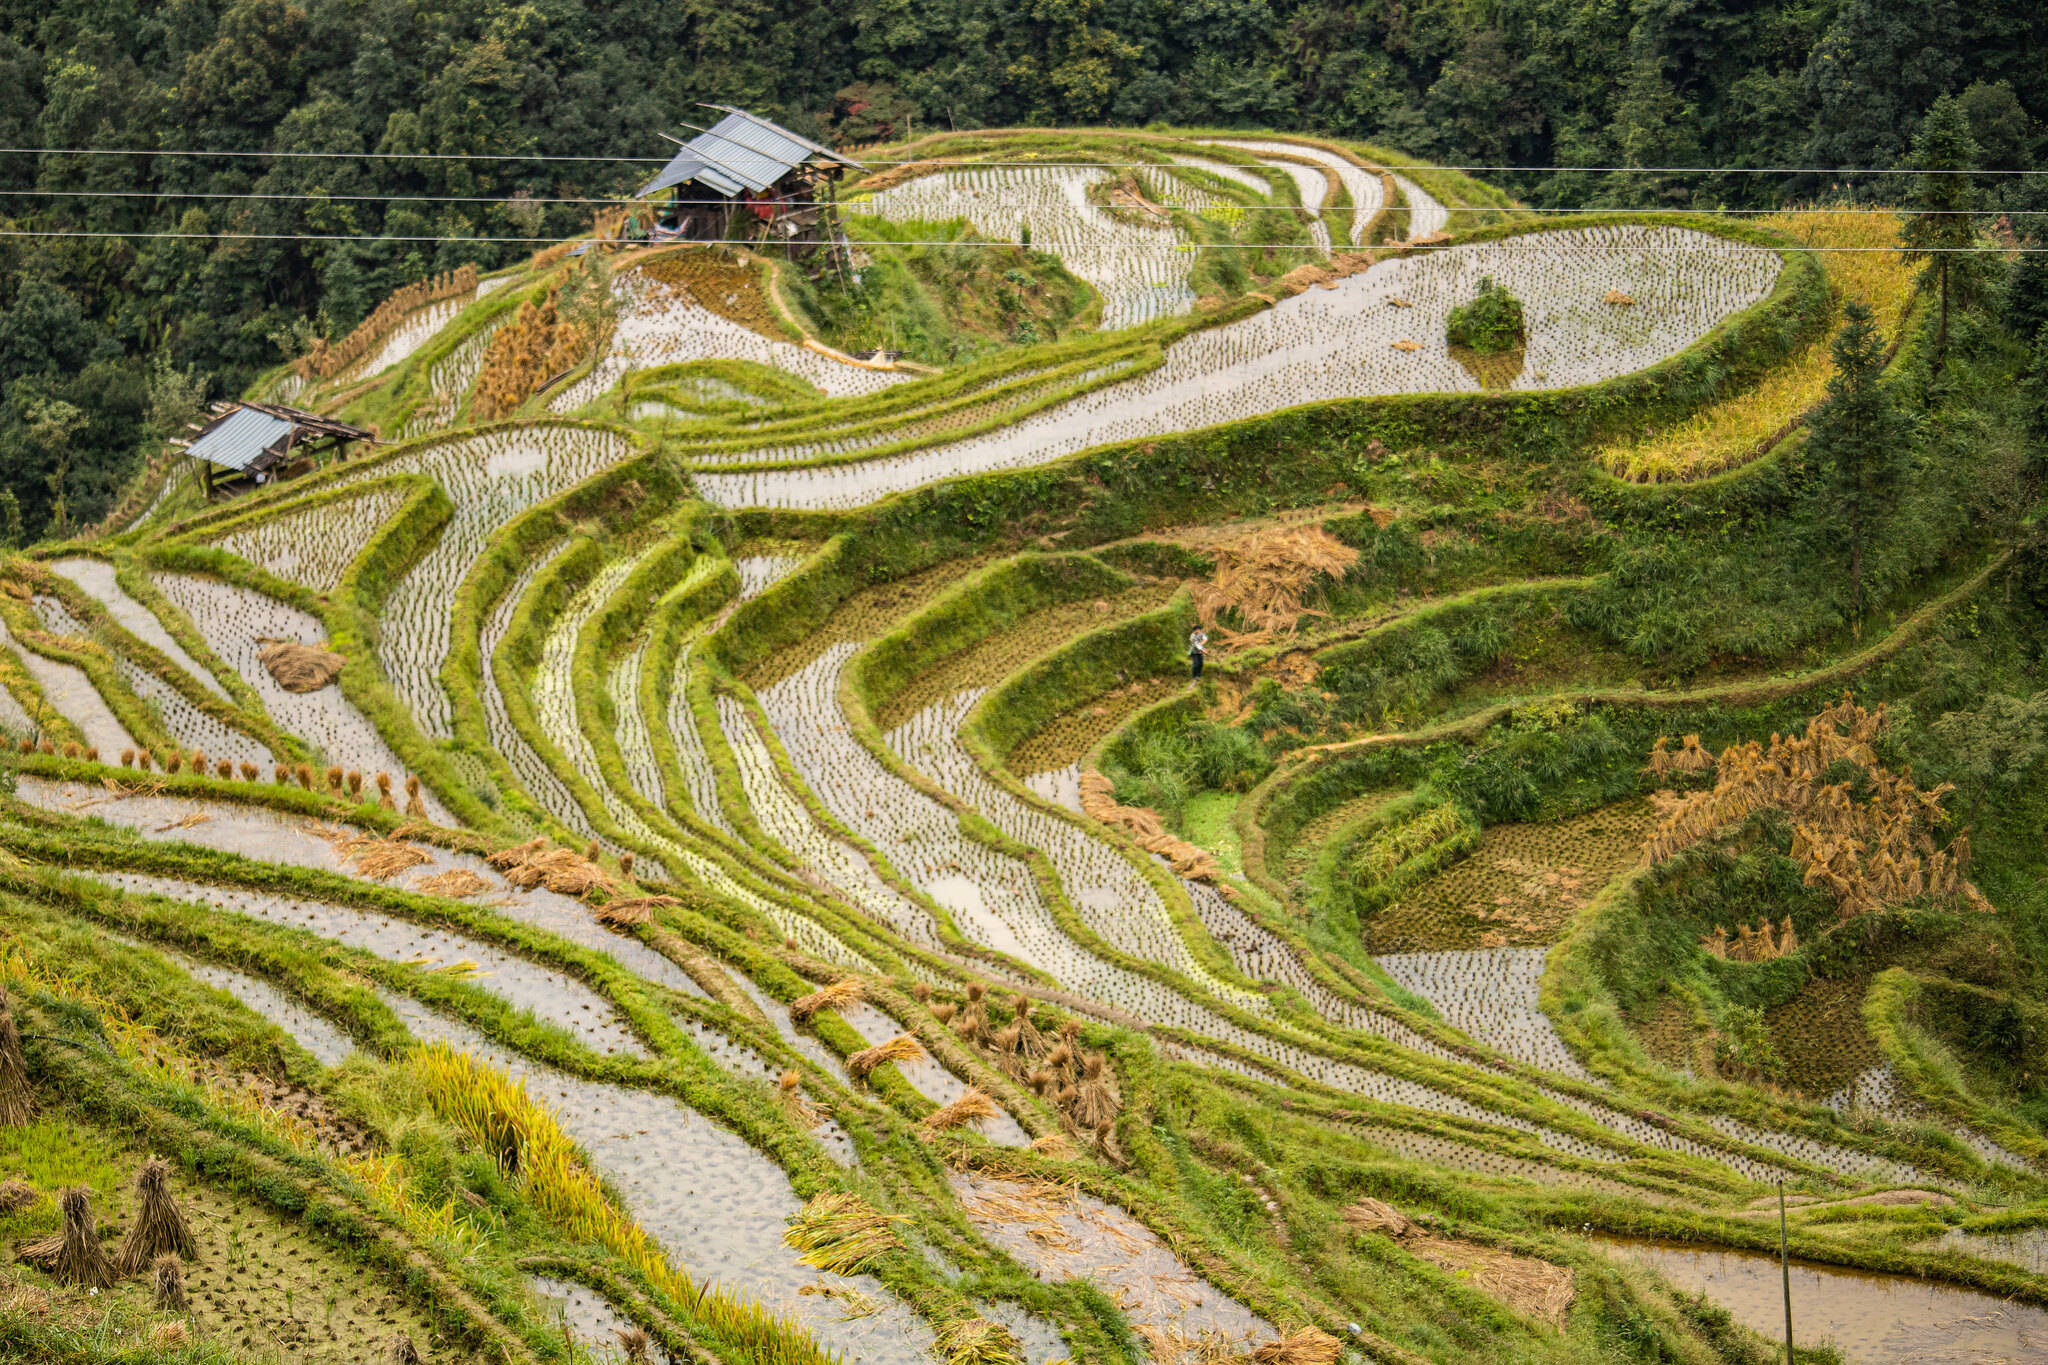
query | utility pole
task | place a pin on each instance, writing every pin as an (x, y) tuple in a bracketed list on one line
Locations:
[(1785, 1270)]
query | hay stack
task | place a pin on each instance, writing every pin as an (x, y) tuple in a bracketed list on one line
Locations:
[(973, 1025), (1030, 1042), (170, 1283), (1264, 576), (626, 911), (634, 1341), (402, 1351), (16, 1195), (561, 870), (1094, 1103), (17, 1096), (300, 668), (72, 1254), (159, 1228), (1309, 1346), (456, 883)]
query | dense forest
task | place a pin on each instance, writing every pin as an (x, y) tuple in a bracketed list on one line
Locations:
[(107, 340)]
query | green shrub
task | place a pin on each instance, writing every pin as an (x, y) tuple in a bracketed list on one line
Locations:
[(1489, 324)]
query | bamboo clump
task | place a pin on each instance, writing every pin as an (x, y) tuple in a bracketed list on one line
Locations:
[(1867, 855)]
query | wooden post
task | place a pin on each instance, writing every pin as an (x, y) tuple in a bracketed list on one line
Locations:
[(1785, 1270)]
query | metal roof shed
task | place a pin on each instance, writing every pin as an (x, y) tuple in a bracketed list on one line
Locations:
[(740, 153), (246, 442)]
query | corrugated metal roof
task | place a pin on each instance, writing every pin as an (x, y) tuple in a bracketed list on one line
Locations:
[(739, 152), (238, 438)]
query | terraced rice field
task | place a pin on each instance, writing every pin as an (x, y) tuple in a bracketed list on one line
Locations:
[(804, 946)]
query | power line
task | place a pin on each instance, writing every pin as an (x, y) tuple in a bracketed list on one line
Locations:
[(541, 157), (1516, 244), (854, 204)]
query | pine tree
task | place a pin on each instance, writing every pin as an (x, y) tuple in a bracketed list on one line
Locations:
[(1857, 439), (1938, 224)]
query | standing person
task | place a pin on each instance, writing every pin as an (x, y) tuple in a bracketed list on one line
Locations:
[(1198, 648)]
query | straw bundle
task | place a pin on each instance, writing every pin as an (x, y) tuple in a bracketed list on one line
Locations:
[(1264, 576), (973, 1025), (845, 991), (839, 1233), (1030, 1042), (169, 1286), (373, 857), (298, 667), (1309, 1346), (17, 1096), (1867, 855), (72, 1254), (1094, 1102), (159, 1228), (16, 1195), (977, 1341), (634, 1341), (402, 1351), (456, 883), (1053, 1145), (1098, 802), (559, 869), (790, 1091), (901, 1048), (626, 911), (972, 1105), (413, 805)]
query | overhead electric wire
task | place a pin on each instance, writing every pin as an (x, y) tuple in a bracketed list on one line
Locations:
[(918, 161), (1510, 244), (620, 201)]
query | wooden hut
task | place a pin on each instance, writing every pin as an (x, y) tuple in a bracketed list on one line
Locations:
[(248, 445), (745, 178)]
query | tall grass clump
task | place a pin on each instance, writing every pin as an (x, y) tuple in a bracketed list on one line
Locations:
[(497, 1114)]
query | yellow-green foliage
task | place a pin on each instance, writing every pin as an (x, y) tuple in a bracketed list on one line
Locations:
[(517, 1131), (839, 1233), (1737, 429)]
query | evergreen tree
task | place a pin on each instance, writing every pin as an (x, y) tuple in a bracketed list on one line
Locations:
[(1857, 440), (1939, 225)]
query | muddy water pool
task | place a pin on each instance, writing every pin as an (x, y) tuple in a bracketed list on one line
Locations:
[(551, 996), (1061, 1234), (1871, 1319), (274, 836), (716, 1204), (592, 1321)]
